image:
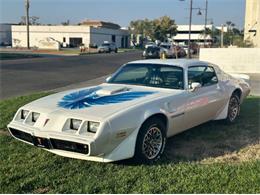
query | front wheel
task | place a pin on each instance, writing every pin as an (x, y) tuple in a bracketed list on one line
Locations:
[(233, 108), (151, 141)]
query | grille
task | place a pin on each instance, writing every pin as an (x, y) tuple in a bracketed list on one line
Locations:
[(22, 135), (50, 143), (41, 142), (69, 146)]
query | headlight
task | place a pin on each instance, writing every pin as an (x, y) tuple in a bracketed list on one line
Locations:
[(75, 123), (35, 116), (24, 113), (93, 126)]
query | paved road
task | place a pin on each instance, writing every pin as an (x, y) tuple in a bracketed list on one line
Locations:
[(255, 83), (20, 77)]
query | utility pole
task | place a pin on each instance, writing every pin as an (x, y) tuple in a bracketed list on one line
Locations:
[(27, 6), (206, 19), (189, 42)]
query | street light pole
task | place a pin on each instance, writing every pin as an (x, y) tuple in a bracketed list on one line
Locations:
[(190, 20), (206, 19), (222, 36), (27, 6)]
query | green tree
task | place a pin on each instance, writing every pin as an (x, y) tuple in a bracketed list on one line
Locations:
[(164, 27), (157, 29), (214, 33), (33, 20)]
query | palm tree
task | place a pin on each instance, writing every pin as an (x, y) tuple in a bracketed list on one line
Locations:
[(230, 26)]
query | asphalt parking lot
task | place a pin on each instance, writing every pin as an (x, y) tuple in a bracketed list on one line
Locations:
[(24, 76), (255, 83)]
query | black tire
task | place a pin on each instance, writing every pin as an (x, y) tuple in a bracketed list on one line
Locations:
[(115, 50), (233, 108), (155, 130)]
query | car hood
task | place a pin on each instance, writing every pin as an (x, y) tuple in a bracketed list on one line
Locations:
[(97, 102)]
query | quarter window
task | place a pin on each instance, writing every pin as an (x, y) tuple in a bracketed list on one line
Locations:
[(205, 75)]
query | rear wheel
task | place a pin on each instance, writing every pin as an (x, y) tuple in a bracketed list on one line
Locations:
[(233, 108), (151, 141)]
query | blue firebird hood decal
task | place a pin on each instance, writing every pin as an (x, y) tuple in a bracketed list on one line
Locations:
[(88, 97)]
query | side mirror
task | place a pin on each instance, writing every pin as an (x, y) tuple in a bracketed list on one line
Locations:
[(194, 86), (108, 78)]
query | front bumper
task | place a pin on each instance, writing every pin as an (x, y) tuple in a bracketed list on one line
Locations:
[(50, 143), (57, 143), (74, 146)]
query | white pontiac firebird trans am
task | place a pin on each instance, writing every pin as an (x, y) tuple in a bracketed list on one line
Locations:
[(133, 113)]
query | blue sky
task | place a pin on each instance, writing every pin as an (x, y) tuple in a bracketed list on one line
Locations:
[(122, 11)]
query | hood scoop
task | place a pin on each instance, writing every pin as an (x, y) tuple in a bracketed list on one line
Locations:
[(111, 90)]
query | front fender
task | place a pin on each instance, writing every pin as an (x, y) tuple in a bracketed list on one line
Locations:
[(125, 128)]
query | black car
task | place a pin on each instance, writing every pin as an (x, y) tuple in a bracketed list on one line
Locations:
[(152, 52)]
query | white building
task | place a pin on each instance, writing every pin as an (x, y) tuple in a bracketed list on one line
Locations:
[(90, 32), (224, 28), (5, 34), (252, 22), (197, 35)]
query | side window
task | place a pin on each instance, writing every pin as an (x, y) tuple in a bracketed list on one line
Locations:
[(172, 77), (206, 76), (195, 74), (209, 77)]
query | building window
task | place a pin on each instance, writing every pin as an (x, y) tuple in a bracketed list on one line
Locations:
[(75, 41), (113, 38), (122, 42), (126, 42), (64, 39)]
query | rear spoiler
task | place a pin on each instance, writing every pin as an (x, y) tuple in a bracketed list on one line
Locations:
[(244, 77)]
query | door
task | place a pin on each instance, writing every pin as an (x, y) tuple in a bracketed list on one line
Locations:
[(202, 104), (173, 78)]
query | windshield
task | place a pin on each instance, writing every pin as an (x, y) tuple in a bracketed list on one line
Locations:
[(105, 44), (152, 75)]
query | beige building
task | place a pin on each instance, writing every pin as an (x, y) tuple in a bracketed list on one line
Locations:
[(90, 32), (252, 22)]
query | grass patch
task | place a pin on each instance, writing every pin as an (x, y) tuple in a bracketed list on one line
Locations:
[(14, 56), (190, 164), (9, 107), (217, 139)]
